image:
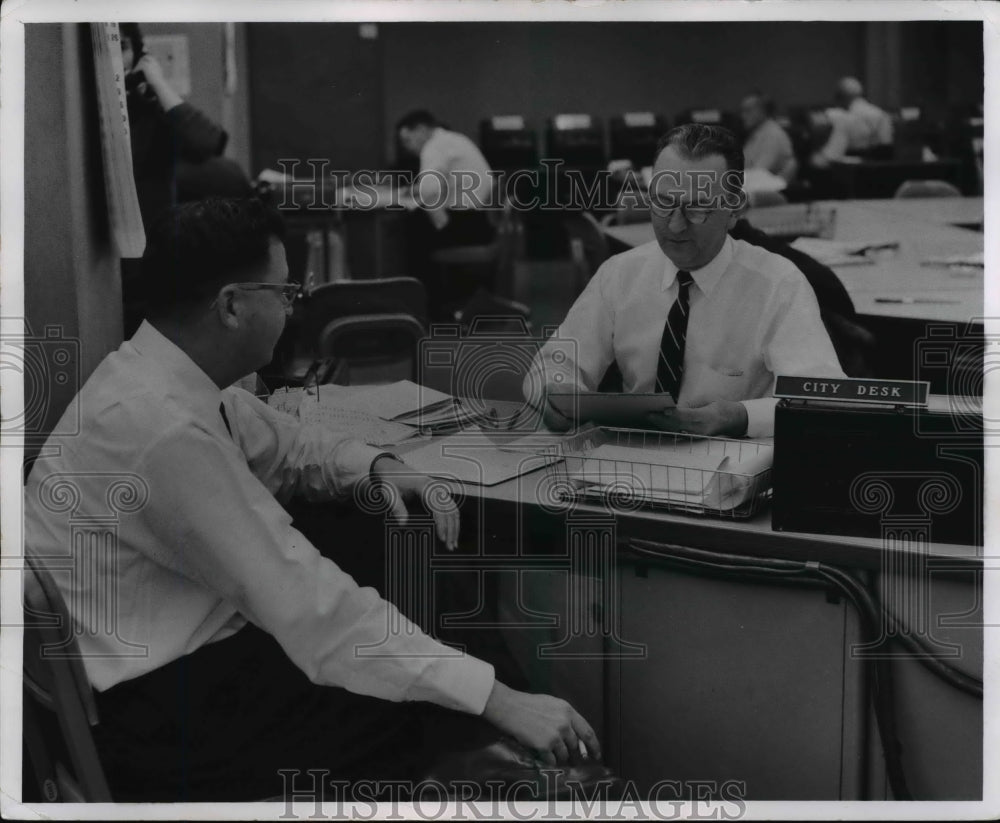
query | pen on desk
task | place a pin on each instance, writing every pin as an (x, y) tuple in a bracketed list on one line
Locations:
[(911, 300)]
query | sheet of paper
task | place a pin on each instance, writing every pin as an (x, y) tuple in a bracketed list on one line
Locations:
[(286, 400), (387, 401), (473, 458), (363, 426)]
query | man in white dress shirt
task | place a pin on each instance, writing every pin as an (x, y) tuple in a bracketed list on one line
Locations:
[(857, 126), (694, 314), (222, 645)]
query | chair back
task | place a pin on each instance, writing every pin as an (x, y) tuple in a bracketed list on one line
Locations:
[(376, 348), (588, 246), (331, 301), (63, 754), (926, 188)]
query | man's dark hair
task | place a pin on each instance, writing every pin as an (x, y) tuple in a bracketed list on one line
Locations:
[(194, 249), (419, 117), (766, 103), (698, 140), (133, 33)]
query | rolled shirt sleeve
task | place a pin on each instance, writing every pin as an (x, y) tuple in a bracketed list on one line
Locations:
[(227, 532)]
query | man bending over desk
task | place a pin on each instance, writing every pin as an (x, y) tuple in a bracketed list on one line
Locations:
[(695, 314), (236, 649)]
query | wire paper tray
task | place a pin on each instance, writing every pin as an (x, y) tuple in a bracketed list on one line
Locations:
[(631, 468)]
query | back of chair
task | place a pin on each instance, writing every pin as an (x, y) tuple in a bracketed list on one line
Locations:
[(331, 301), (588, 245), (376, 348), (55, 681), (926, 188)]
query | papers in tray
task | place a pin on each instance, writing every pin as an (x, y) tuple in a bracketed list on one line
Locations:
[(474, 458), (708, 474)]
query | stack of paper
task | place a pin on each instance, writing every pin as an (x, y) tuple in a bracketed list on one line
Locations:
[(841, 252), (327, 412), (286, 400), (389, 401)]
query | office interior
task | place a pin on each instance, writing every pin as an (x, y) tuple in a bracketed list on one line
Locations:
[(699, 662)]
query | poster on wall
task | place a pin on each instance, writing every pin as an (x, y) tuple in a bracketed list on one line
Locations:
[(116, 148)]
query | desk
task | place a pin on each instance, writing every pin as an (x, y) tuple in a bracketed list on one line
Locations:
[(881, 178), (688, 677), (898, 275), (964, 212)]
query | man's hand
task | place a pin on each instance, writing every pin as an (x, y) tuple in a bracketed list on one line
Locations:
[(406, 484), (150, 67), (551, 727), (726, 417)]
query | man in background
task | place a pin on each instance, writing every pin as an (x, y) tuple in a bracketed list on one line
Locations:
[(453, 191), (858, 126), (767, 145)]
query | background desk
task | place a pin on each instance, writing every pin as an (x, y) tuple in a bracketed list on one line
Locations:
[(964, 212), (723, 679)]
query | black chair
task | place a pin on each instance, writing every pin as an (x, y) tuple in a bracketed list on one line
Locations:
[(710, 116), (634, 135), (577, 140), (372, 327), (588, 246), (62, 754), (508, 144)]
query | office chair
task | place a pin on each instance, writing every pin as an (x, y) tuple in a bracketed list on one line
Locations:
[(588, 246), (373, 327), (926, 188), (633, 136), (508, 143), (64, 758)]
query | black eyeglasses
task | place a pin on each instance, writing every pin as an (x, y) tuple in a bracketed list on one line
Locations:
[(665, 208), (288, 292)]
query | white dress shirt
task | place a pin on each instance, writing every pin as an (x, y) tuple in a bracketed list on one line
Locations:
[(753, 315), (458, 166), (861, 126), (212, 547), (769, 147)]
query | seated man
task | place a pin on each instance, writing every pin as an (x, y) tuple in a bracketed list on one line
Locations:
[(696, 314), (767, 145), (222, 645), (454, 191), (857, 126)]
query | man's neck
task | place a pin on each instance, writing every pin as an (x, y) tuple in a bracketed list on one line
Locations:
[(205, 351)]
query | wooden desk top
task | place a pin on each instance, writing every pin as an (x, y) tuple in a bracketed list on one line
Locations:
[(896, 275)]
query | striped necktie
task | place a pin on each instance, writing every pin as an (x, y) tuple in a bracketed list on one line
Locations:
[(670, 367)]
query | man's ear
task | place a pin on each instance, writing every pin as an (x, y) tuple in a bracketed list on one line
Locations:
[(227, 308)]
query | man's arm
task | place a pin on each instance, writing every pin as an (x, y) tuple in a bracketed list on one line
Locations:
[(221, 528), (580, 352)]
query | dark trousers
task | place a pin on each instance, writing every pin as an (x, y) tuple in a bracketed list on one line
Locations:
[(219, 724), (464, 228)]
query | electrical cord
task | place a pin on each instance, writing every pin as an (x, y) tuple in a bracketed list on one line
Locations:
[(870, 612)]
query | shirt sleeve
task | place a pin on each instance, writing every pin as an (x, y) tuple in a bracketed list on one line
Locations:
[(795, 342), (579, 354), (224, 530), (291, 459), (197, 137)]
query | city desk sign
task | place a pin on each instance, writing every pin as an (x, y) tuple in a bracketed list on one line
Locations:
[(853, 390)]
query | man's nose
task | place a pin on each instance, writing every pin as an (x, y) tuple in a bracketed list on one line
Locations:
[(677, 221)]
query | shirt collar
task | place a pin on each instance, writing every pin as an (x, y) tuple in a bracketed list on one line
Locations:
[(195, 388), (708, 275)]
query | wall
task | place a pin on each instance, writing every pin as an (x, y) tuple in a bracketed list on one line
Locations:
[(71, 278), (465, 72), (206, 51)]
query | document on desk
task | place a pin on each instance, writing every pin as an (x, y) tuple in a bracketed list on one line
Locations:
[(842, 252), (612, 408), (475, 459), (286, 400), (389, 401), (328, 413)]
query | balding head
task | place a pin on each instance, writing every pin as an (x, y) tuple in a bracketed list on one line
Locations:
[(849, 88)]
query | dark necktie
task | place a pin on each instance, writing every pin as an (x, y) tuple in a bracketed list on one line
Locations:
[(670, 367), (225, 418)]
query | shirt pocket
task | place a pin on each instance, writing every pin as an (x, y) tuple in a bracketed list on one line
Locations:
[(704, 384)]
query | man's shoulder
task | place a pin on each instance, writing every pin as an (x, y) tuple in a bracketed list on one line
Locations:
[(636, 261), (768, 265)]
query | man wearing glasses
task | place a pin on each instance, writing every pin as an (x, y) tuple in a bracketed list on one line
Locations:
[(223, 647), (696, 315)]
